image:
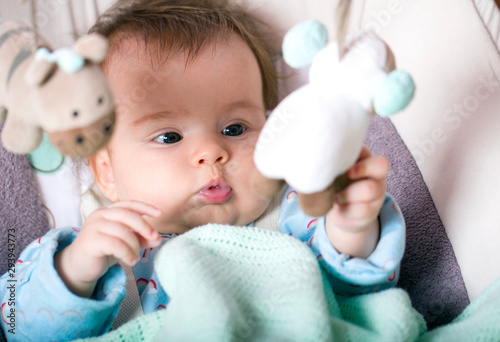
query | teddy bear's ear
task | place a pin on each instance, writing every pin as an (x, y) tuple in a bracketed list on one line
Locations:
[(39, 72), (92, 47)]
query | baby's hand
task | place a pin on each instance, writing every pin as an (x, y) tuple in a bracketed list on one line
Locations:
[(352, 224), (110, 234)]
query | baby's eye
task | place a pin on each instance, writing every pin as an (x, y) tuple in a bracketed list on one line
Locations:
[(234, 130), (168, 138)]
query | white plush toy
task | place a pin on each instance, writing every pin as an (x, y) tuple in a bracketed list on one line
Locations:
[(316, 133)]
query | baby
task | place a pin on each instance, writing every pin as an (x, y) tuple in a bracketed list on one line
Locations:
[(193, 82)]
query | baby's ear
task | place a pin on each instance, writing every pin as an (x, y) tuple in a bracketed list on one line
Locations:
[(100, 166)]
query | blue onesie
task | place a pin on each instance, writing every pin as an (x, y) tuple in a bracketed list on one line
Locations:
[(46, 310)]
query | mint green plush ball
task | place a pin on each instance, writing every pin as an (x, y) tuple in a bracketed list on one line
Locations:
[(395, 93), (46, 159), (303, 42)]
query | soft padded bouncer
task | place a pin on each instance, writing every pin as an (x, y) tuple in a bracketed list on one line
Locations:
[(443, 150)]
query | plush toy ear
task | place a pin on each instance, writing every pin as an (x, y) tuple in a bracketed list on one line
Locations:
[(92, 47), (39, 72), (303, 42)]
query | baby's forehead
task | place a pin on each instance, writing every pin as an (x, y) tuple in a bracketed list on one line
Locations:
[(154, 50), (135, 50), (137, 72)]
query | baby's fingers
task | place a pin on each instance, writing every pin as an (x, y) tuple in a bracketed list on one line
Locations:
[(365, 190), (118, 249), (356, 215), (375, 167), (132, 217), (138, 207), (122, 233)]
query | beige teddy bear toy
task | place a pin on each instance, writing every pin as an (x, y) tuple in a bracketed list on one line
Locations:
[(63, 93)]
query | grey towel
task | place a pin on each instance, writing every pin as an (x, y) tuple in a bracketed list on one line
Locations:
[(429, 270), (21, 205)]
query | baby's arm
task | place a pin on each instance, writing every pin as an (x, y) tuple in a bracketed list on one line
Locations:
[(44, 307), (359, 244), (112, 233), (352, 224)]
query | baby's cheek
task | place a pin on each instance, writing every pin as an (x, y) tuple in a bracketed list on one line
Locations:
[(241, 167)]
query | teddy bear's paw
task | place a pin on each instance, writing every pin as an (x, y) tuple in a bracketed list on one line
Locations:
[(19, 138)]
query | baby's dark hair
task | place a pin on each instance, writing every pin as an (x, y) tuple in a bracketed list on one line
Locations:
[(170, 26)]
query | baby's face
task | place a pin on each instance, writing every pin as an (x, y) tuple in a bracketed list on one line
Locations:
[(185, 134)]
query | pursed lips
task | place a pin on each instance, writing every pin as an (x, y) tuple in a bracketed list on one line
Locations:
[(216, 191)]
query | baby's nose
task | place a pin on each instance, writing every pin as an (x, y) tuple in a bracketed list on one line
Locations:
[(210, 160), (210, 153)]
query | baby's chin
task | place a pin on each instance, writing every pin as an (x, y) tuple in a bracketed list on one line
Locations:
[(184, 227), (201, 219), (233, 212), (169, 230)]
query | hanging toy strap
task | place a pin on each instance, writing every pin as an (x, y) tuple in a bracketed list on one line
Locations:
[(96, 9), (33, 23), (343, 11), (71, 13)]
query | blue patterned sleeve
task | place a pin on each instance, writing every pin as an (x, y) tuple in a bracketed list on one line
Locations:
[(349, 276), (37, 305)]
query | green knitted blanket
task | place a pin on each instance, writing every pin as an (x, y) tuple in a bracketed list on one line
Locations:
[(248, 284)]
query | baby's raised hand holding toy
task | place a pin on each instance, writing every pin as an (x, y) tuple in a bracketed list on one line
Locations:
[(316, 133)]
